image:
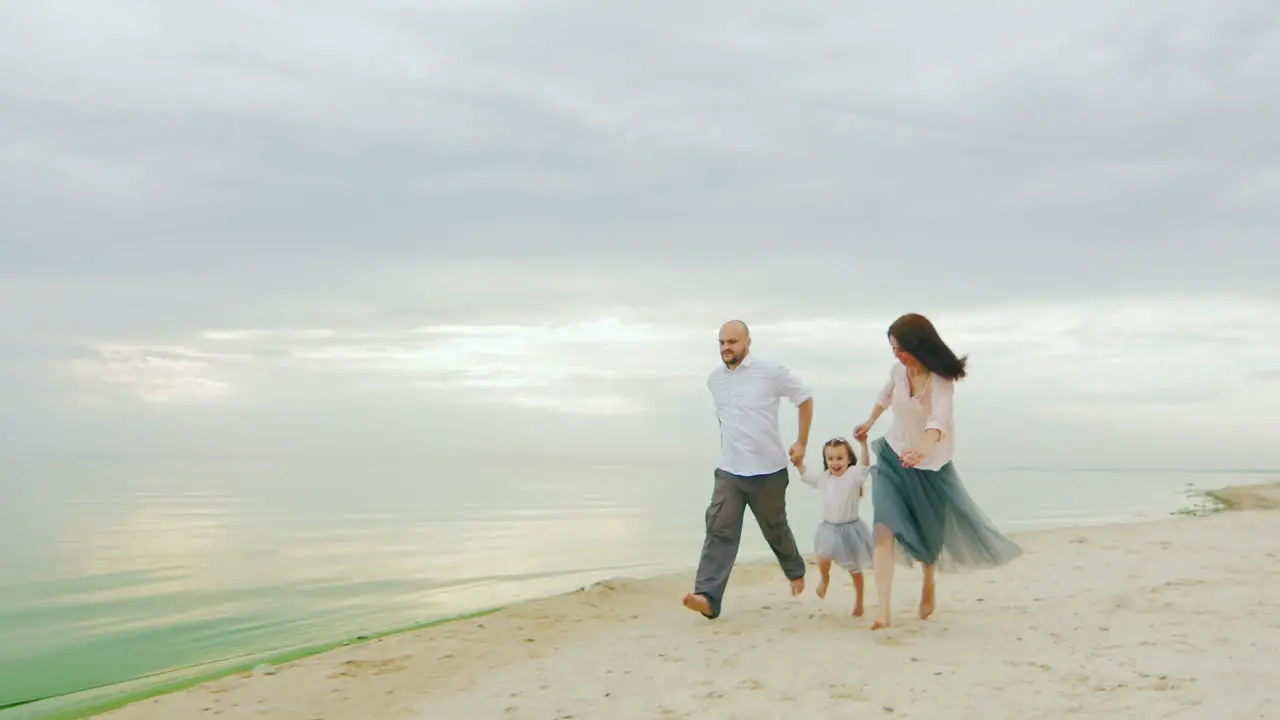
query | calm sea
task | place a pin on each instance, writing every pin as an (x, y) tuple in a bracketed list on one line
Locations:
[(111, 571)]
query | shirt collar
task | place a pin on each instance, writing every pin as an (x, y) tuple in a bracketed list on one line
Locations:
[(746, 362)]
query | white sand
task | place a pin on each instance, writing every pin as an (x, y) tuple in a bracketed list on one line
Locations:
[(1176, 618)]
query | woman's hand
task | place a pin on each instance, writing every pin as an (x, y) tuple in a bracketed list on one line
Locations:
[(916, 455), (860, 432), (912, 458)]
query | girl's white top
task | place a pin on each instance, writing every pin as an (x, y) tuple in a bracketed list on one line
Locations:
[(839, 494), (912, 416)]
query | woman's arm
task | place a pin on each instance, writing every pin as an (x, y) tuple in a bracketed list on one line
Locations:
[(883, 401), (941, 420), (941, 409)]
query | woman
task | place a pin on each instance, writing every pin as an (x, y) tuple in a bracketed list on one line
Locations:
[(920, 503)]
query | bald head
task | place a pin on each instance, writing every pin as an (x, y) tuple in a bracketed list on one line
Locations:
[(735, 343)]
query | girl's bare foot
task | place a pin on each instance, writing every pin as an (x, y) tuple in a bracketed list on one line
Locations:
[(859, 589), (824, 572), (882, 622)]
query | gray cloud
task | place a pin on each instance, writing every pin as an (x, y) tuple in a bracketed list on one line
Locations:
[(354, 131), (168, 168)]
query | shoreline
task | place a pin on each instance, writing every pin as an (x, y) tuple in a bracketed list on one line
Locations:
[(123, 703), (94, 702)]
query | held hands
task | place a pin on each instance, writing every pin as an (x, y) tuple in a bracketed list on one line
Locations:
[(797, 454), (860, 432)]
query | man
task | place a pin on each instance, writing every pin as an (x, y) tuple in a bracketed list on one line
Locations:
[(752, 470)]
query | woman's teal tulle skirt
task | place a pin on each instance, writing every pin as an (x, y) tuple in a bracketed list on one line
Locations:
[(933, 517)]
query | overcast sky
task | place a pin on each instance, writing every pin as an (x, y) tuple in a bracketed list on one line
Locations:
[(389, 227)]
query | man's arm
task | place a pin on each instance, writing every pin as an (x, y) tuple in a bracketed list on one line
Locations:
[(806, 420), (794, 389)]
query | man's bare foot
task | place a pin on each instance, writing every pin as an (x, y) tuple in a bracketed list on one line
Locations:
[(857, 610), (822, 588), (797, 586), (698, 603), (927, 602), (881, 622)]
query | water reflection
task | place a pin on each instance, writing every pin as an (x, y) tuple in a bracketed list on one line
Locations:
[(115, 572)]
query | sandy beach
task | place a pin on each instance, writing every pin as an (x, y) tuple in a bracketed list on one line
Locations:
[(1170, 619)]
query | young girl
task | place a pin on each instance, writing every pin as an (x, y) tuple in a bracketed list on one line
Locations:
[(842, 537)]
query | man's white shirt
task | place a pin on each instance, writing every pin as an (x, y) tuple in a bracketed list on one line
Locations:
[(746, 401)]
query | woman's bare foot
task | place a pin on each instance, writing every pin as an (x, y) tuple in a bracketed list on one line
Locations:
[(857, 610), (927, 601), (698, 603), (797, 586), (822, 588), (881, 622)]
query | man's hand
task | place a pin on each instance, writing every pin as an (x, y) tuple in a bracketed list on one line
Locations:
[(797, 453)]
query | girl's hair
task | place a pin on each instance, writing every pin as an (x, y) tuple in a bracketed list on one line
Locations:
[(838, 442), (916, 335)]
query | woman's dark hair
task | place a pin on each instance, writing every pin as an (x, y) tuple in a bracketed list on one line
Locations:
[(916, 335), (838, 442)]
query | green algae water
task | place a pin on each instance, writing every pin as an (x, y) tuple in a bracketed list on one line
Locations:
[(119, 578)]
